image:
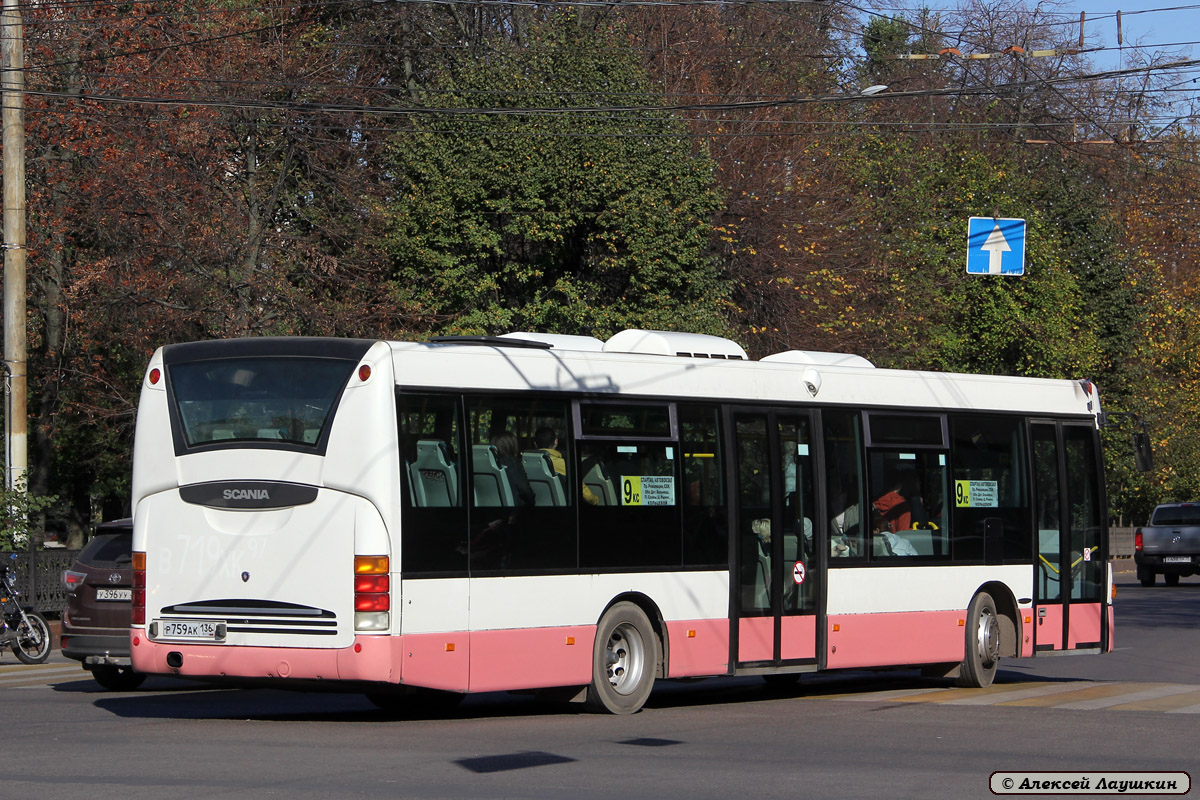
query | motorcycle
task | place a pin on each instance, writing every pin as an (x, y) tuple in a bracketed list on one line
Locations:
[(21, 628)]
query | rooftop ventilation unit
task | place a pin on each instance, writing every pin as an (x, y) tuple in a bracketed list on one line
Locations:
[(558, 341), (817, 358), (671, 343)]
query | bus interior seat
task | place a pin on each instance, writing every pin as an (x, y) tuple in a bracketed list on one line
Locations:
[(920, 538), (269, 433), (547, 488), (311, 434), (596, 478), (490, 478), (436, 474)]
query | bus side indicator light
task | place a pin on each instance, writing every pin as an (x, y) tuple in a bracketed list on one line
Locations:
[(691, 634), (962, 623), (449, 647), (570, 640), (1028, 620)]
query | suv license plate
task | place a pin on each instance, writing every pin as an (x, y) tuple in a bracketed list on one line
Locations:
[(1177, 559), (195, 629), (114, 594)]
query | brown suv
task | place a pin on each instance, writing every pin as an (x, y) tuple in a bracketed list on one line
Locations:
[(95, 626)]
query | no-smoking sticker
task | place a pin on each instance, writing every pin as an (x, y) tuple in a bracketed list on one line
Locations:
[(799, 572)]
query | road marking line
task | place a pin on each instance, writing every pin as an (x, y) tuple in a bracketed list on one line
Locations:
[(1149, 693), (1015, 692)]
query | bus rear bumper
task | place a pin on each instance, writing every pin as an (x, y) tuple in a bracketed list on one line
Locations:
[(370, 658)]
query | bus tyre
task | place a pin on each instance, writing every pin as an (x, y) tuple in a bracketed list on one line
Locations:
[(117, 679), (983, 643), (624, 661)]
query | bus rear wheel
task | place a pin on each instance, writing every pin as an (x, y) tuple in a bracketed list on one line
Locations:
[(982, 645), (624, 661)]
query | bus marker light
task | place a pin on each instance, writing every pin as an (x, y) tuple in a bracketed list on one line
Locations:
[(357, 647), (364, 372), (449, 647), (962, 623), (155, 376), (836, 627), (1028, 620), (691, 634), (570, 640), (137, 640), (371, 565)]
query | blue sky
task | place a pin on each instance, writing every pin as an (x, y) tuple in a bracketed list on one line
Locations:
[(1154, 25)]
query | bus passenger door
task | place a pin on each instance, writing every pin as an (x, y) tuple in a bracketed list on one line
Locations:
[(775, 580), (1072, 554)]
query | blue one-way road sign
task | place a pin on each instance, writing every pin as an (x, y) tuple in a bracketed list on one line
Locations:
[(995, 246)]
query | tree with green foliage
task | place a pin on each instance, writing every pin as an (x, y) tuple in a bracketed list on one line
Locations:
[(549, 219)]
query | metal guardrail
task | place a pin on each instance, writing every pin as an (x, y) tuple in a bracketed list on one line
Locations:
[(39, 578)]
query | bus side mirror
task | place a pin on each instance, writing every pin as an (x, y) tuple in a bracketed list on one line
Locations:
[(1142, 453)]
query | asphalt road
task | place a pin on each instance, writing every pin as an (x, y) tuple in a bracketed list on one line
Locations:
[(882, 735)]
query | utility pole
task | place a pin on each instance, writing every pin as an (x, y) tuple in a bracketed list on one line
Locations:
[(12, 117)]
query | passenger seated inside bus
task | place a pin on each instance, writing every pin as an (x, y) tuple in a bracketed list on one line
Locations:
[(546, 440), (886, 543), (509, 456)]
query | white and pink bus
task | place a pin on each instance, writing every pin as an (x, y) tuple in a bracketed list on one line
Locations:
[(531, 511)]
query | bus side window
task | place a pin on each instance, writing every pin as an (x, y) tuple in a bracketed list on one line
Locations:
[(844, 490), (434, 514)]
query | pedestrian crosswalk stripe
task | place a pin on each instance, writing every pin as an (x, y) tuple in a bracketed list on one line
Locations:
[(1176, 698)]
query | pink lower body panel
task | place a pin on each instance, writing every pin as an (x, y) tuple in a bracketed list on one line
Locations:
[(756, 638), (1083, 626), (459, 661), (919, 637), (1048, 626), (698, 647)]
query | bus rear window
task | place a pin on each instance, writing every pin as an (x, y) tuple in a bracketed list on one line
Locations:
[(262, 399)]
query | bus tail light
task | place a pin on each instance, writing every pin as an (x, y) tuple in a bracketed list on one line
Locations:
[(139, 589), (372, 593)]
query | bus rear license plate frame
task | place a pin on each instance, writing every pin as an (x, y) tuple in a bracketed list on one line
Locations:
[(191, 630)]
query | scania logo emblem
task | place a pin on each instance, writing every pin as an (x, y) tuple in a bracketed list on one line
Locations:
[(114, 577), (245, 577)]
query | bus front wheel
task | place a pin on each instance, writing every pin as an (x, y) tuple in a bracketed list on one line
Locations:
[(982, 645), (624, 661)]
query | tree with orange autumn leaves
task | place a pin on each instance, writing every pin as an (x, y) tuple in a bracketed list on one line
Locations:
[(202, 170)]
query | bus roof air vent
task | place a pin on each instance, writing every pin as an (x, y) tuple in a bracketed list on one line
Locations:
[(558, 341), (818, 358), (672, 343)]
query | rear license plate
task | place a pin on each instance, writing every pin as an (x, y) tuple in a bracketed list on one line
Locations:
[(1177, 559), (195, 629), (114, 594)]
